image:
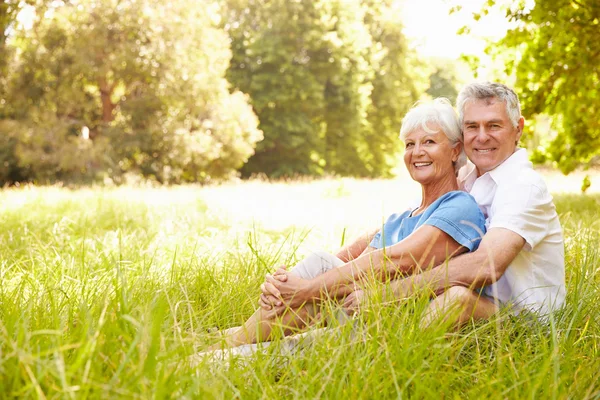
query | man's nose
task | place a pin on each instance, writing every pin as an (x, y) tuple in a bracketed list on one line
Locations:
[(482, 134)]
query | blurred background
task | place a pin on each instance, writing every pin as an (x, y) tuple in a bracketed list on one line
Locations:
[(119, 91)]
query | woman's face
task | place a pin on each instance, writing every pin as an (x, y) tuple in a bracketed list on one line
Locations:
[(428, 156)]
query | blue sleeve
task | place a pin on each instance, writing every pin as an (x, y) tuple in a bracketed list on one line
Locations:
[(390, 232), (459, 216), (376, 241)]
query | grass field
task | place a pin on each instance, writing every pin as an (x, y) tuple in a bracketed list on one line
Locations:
[(106, 292)]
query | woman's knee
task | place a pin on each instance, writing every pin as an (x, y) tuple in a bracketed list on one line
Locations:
[(316, 263)]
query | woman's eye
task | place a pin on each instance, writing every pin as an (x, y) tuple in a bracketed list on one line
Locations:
[(429, 141), (409, 145)]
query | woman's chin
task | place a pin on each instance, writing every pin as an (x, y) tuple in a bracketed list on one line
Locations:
[(423, 179)]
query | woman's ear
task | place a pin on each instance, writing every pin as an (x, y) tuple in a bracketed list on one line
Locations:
[(456, 150)]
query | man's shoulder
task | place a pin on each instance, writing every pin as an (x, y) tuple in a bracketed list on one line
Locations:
[(517, 172), (524, 178)]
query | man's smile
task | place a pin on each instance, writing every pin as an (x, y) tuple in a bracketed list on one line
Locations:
[(483, 151)]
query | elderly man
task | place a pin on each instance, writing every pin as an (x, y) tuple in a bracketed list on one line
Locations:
[(520, 261)]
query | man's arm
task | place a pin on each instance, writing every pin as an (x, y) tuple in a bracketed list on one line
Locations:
[(486, 265)]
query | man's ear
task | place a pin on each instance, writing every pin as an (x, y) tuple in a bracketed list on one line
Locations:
[(520, 126)]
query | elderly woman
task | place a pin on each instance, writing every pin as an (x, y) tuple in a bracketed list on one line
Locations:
[(447, 222)]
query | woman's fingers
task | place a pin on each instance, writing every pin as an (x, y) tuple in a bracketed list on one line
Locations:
[(269, 289), (262, 303), (269, 279), (280, 274), (267, 301)]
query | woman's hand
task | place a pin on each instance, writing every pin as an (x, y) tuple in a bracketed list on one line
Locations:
[(291, 290), (267, 300)]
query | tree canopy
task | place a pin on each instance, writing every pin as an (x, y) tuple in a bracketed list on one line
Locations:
[(329, 81), (175, 92), (124, 86), (554, 52)]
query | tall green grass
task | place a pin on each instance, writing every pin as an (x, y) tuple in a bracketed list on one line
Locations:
[(107, 292)]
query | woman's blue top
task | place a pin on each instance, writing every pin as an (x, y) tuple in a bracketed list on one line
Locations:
[(455, 213)]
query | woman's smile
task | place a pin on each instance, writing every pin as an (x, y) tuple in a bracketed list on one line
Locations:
[(422, 164)]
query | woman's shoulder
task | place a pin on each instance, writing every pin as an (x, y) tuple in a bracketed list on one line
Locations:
[(458, 204), (457, 196), (397, 217)]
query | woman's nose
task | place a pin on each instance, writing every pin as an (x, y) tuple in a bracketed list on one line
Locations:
[(419, 149)]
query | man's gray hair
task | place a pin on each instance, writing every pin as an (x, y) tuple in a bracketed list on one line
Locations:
[(490, 91), (425, 114)]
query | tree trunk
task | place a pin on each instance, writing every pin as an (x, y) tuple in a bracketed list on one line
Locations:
[(107, 105)]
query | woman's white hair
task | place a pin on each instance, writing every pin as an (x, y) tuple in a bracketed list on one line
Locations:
[(490, 91), (425, 114)]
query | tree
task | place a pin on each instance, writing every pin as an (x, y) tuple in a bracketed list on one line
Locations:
[(144, 81), (396, 82), (442, 83), (277, 55), (555, 52), (329, 81)]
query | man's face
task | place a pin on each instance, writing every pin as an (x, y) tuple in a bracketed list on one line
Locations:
[(490, 138)]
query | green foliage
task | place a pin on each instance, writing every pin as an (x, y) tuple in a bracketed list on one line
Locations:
[(555, 53), (397, 84), (328, 79), (145, 79), (442, 84)]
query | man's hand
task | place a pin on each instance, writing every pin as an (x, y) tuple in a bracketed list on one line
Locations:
[(354, 301)]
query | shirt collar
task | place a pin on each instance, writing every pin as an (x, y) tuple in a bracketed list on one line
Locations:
[(510, 167), (468, 174)]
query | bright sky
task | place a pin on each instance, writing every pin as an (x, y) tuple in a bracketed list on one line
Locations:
[(434, 32)]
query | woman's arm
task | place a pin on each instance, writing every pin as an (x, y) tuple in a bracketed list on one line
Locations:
[(425, 247), (498, 248), (357, 247)]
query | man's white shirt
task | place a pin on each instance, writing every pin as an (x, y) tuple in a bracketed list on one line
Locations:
[(515, 197)]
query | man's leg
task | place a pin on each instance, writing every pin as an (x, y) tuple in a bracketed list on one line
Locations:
[(458, 305), (260, 325)]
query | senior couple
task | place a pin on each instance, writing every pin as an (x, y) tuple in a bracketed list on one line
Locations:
[(485, 235)]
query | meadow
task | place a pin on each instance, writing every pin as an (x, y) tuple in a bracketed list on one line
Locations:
[(106, 293)]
